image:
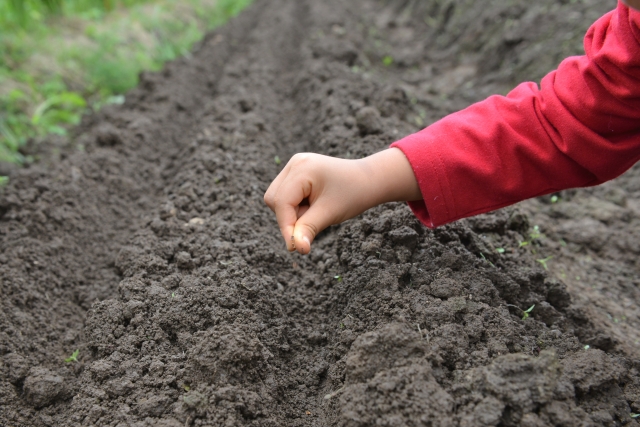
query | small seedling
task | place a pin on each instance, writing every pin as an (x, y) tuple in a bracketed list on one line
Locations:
[(554, 199), (4, 180), (186, 387), (341, 325), (500, 250), (173, 294), (387, 60), (527, 312), (543, 261), (536, 233), (634, 415), (338, 278), (483, 257), (277, 160), (73, 357), (587, 347)]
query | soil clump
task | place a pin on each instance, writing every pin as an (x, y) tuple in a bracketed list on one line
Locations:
[(151, 251)]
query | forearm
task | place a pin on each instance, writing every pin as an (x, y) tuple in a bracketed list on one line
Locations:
[(581, 128)]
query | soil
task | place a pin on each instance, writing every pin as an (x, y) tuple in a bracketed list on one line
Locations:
[(144, 243)]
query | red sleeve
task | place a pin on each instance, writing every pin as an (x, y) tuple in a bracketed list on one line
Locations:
[(581, 128)]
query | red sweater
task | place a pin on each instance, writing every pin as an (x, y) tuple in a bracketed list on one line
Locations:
[(581, 128)]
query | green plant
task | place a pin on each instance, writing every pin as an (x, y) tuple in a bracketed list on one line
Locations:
[(543, 261), (500, 250), (634, 415), (338, 278), (73, 357), (534, 235), (484, 258), (89, 53), (277, 160), (527, 312), (59, 109), (387, 60)]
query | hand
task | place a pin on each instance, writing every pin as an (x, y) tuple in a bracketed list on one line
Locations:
[(313, 191)]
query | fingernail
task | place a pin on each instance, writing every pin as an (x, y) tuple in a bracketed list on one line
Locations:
[(293, 244), (306, 240)]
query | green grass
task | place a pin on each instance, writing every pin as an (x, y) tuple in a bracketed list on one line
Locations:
[(60, 59)]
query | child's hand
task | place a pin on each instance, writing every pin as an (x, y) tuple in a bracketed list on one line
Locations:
[(313, 191)]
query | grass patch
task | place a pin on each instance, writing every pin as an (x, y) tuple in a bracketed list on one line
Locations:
[(62, 58)]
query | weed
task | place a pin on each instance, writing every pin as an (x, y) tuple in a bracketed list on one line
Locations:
[(534, 235), (483, 257), (96, 47), (73, 357), (543, 261), (387, 60), (277, 160), (587, 347), (341, 325), (60, 109), (634, 415), (338, 278), (527, 312), (500, 250), (554, 199)]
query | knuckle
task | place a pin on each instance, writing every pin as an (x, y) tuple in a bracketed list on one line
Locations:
[(300, 158), (268, 198)]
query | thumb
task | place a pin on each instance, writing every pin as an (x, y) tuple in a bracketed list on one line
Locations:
[(307, 227)]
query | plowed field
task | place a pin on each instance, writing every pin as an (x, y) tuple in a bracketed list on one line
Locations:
[(145, 243)]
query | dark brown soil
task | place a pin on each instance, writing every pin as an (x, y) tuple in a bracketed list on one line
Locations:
[(146, 245)]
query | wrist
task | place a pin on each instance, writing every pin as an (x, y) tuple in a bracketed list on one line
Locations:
[(390, 178)]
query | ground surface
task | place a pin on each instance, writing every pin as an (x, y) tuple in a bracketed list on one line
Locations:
[(146, 245)]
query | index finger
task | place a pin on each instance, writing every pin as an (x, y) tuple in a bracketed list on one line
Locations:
[(270, 194)]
